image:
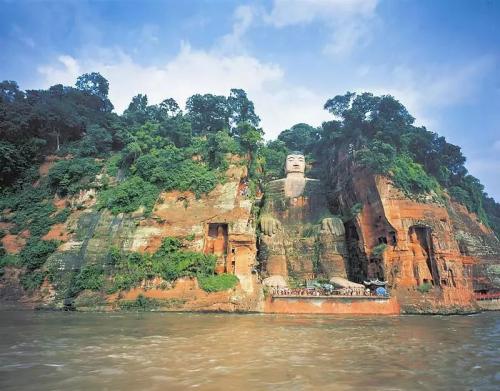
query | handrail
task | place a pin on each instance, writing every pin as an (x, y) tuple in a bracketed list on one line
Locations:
[(487, 296)]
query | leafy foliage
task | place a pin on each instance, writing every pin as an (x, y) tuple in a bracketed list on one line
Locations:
[(300, 137), (378, 133), (425, 287), (217, 283), (32, 280), (411, 177), (168, 169), (36, 252), (142, 303), (168, 262), (129, 195), (90, 277), (70, 176), (379, 249)]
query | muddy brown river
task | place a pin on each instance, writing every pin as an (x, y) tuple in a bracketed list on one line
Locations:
[(170, 351)]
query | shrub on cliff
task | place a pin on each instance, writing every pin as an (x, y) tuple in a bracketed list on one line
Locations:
[(70, 176), (32, 280), (129, 195), (169, 170), (425, 287), (36, 252), (183, 264), (411, 177), (90, 277), (218, 282), (169, 262)]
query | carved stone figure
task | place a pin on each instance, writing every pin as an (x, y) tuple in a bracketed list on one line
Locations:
[(299, 237)]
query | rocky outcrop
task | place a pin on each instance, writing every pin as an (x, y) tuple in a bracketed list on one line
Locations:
[(431, 251), (408, 242), (478, 243), (88, 236)]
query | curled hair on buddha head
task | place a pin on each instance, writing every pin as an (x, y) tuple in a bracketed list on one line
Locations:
[(296, 153)]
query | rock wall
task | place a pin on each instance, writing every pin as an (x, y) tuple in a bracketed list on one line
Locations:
[(323, 305), (88, 236), (410, 243)]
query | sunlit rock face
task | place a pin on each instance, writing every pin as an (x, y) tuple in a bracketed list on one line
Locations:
[(410, 243), (218, 223), (299, 236)]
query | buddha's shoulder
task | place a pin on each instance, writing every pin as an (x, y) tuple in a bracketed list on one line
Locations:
[(313, 185), (276, 183)]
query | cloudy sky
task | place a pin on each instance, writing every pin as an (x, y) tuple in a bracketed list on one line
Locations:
[(439, 58)]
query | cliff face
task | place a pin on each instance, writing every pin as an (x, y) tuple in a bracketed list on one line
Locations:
[(426, 250), (88, 236), (433, 253)]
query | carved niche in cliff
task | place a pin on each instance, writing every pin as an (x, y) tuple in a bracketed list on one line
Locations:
[(299, 238), (216, 243)]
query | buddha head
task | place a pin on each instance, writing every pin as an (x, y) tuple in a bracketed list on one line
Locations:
[(295, 162)]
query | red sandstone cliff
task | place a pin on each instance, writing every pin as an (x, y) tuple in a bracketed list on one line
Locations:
[(426, 248)]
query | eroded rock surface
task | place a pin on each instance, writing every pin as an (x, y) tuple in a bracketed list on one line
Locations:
[(410, 243)]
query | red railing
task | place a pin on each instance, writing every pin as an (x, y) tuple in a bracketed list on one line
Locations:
[(487, 296)]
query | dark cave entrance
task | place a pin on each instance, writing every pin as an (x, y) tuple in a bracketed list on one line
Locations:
[(357, 265), (423, 236)]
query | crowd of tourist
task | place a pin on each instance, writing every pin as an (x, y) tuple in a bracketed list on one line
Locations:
[(354, 291)]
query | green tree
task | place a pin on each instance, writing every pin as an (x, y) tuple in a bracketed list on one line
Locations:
[(95, 84), (241, 108), (300, 137), (208, 113)]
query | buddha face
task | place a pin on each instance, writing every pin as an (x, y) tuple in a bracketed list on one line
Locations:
[(295, 163)]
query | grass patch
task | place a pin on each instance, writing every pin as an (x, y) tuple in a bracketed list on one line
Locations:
[(425, 287), (140, 304), (90, 300), (379, 249), (218, 282)]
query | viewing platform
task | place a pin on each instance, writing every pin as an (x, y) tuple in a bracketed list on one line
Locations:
[(331, 297), (488, 301), (313, 302)]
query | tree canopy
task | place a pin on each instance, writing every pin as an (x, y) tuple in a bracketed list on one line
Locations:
[(168, 148)]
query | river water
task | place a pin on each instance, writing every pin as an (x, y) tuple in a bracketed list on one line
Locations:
[(171, 351)]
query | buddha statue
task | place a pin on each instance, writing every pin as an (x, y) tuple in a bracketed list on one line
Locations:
[(299, 237)]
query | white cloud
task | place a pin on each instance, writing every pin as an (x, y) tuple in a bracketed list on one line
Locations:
[(191, 71), (349, 21), (18, 33), (149, 33), (424, 90), (243, 18), (290, 12)]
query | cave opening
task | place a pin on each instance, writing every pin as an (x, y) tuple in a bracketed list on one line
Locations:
[(421, 240), (358, 265), (217, 242)]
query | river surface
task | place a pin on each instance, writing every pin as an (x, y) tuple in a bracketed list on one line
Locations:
[(172, 351)]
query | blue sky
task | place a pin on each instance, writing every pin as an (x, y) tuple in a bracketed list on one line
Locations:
[(439, 58)]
